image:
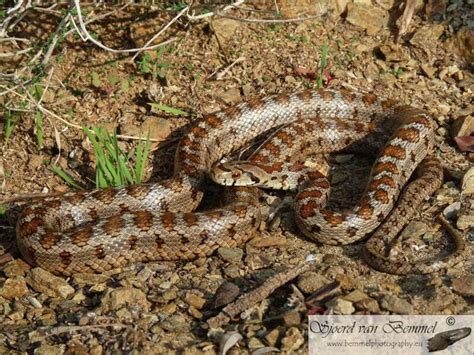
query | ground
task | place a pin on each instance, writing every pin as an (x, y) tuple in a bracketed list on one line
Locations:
[(216, 62)]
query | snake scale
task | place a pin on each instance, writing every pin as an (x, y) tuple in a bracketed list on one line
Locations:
[(98, 230)]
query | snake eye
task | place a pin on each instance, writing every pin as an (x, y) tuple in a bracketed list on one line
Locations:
[(235, 175)]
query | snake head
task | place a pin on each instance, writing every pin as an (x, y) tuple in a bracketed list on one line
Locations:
[(237, 173)]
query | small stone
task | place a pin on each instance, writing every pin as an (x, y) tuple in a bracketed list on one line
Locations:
[(292, 318), (194, 312), (368, 17), (170, 295), (83, 279), (311, 281), (428, 70), (272, 337), (224, 29), (394, 53), (266, 242), (464, 286), (176, 323), (46, 349), (257, 262), (340, 306), (355, 296), (226, 293), (14, 288), (346, 282), (125, 296), (231, 96), (35, 162), (427, 36), (255, 343), (232, 271), (414, 230), (452, 210), (124, 314), (368, 304), (16, 267), (231, 255), (396, 305), (292, 340), (195, 300), (45, 282), (158, 128)]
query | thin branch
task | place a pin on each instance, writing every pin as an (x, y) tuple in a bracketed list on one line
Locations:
[(259, 294), (100, 45), (252, 20)]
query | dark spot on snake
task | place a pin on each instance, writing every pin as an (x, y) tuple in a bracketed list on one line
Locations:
[(99, 252), (351, 231), (143, 220), (82, 236), (50, 240), (105, 195), (132, 241), (113, 225), (66, 258), (31, 227), (308, 209), (185, 241)]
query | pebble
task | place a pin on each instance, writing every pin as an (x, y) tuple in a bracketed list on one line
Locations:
[(292, 340), (464, 286), (272, 337), (231, 255), (176, 323), (90, 279), (124, 296), (232, 271), (16, 267), (355, 296), (396, 305), (195, 300), (45, 282), (255, 343), (368, 304), (346, 282), (14, 288), (226, 293), (452, 210), (46, 349), (366, 16), (292, 318), (311, 281), (340, 306)]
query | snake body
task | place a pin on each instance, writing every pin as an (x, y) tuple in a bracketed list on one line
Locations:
[(97, 230)]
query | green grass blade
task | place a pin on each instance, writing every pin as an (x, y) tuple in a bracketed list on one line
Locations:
[(66, 177), (39, 128), (174, 111)]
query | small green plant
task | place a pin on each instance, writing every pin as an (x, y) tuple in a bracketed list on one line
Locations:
[(36, 90), (168, 109), (112, 84), (114, 166), (158, 67), (323, 65), (176, 6)]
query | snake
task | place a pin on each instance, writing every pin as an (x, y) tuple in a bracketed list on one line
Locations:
[(101, 230)]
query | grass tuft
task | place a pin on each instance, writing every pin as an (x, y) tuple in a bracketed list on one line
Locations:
[(114, 166)]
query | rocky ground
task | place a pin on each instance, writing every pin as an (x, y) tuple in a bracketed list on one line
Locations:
[(213, 63)]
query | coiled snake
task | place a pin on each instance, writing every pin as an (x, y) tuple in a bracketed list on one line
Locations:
[(98, 230)]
